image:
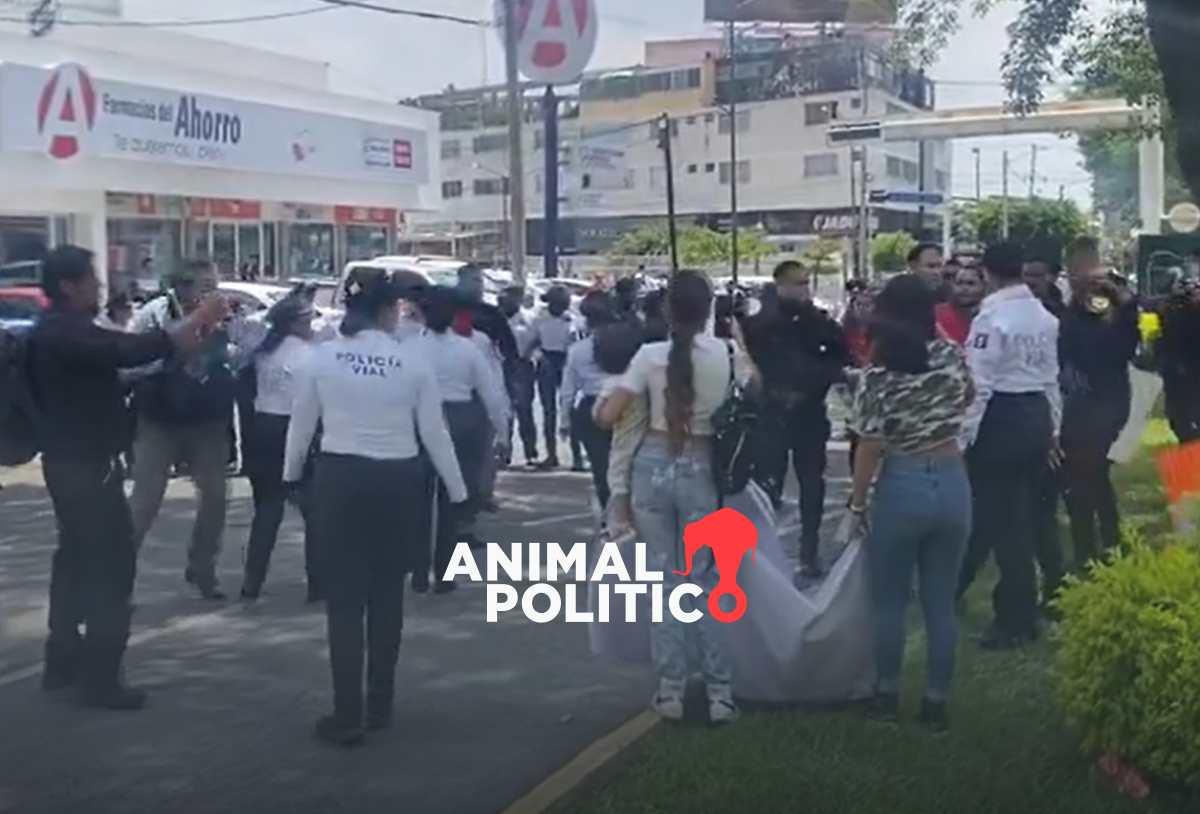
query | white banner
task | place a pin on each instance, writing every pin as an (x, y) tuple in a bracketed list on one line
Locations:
[(67, 114), (602, 167)]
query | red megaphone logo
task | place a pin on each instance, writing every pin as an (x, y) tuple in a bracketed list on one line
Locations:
[(729, 534)]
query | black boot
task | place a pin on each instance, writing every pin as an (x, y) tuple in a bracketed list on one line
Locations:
[(102, 684), (334, 731), (61, 669), (381, 683)]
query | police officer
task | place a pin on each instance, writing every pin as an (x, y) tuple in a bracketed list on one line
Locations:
[(519, 371), (83, 430), (376, 400), (1011, 430), (552, 337), (800, 352), (476, 411), (277, 364)]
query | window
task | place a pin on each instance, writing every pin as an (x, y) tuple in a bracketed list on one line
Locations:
[(901, 168), (912, 172), (942, 179), (820, 112), (691, 120), (743, 122), (895, 168), (895, 109), (451, 148), (710, 167), (452, 189), (491, 186), (539, 139), (709, 117), (743, 175), (856, 103), (817, 166), (692, 169), (491, 143)]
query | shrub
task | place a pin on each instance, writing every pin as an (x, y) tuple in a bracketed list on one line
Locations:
[(1129, 660)]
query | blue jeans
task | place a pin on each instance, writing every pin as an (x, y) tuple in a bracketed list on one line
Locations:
[(921, 519), (668, 493)]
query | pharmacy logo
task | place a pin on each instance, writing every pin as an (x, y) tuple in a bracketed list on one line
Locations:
[(540, 567), (66, 110)]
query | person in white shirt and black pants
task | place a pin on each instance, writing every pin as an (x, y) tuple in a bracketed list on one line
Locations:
[(1011, 430), (278, 362), (475, 406), (374, 399), (552, 337)]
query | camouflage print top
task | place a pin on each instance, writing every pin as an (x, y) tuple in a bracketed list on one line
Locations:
[(914, 412)]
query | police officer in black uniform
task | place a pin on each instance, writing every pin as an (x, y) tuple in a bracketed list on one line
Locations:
[(800, 352), (83, 430)]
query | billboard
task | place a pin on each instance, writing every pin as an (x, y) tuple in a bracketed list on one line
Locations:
[(801, 11)]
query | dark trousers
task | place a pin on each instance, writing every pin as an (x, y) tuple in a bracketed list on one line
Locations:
[(549, 380), (92, 573), (1091, 499), (1007, 462), (1182, 406), (597, 442), (264, 465), (520, 379), (363, 511), (1047, 545), (468, 424), (804, 436)]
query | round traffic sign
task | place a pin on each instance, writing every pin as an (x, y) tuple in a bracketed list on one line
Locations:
[(1184, 217), (555, 38)]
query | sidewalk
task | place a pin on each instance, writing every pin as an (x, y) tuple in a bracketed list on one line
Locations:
[(485, 712)]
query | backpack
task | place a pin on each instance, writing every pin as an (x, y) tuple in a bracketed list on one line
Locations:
[(733, 427), (18, 408)]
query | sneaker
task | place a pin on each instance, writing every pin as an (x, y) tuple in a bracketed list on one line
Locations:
[(546, 465), (209, 590), (331, 730), (934, 716), (668, 701), (721, 708), (884, 708)]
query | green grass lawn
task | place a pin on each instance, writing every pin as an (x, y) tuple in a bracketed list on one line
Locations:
[(1009, 751)]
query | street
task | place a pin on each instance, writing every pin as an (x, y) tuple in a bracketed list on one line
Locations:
[(485, 712)]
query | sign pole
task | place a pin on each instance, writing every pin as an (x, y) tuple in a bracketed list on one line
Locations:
[(664, 142), (733, 152), (516, 169), (550, 232)]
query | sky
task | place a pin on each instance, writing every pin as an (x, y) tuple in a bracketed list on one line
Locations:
[(395, 57)]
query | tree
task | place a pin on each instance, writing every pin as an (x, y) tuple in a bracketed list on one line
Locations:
[(889, 251), (697, 245), (823, 256), (1051, 35), (1037, 222)]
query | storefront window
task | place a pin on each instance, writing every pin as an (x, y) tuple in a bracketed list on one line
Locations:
[(310, 250), (142, 250), (249, 251), (22, 239), (198, 248), (224, 249), (366, 242)]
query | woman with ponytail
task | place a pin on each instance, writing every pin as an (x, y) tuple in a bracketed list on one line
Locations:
[(683, 380)]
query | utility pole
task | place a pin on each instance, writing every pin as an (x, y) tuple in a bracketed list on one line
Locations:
[(1033, 173), (550, 230), (664, 143), (864, 213), (921, 188), (1062, 192), (733, 150), (978, 175), (1006, 229), (516, 168)]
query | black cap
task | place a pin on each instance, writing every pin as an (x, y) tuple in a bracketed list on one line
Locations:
[(290, 309), (557, 292)]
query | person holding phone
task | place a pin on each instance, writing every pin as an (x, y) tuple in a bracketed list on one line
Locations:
[(1098, 339)]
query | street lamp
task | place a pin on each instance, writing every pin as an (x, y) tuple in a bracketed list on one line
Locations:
[(503, 176)]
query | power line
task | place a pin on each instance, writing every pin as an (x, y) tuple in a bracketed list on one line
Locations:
[(427, 15), (254, 18)]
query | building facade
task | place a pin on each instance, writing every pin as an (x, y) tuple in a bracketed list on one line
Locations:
[(178, 147), (792, 184)]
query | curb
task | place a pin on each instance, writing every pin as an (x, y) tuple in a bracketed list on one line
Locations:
[(570, 777)]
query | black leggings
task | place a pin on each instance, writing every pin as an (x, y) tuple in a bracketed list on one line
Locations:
[(598, 444)]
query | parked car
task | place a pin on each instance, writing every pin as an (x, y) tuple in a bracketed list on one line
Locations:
[(252, 297), (20, 308), (439, 271)]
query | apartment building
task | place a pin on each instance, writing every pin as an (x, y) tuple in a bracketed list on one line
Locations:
[(791, 183)]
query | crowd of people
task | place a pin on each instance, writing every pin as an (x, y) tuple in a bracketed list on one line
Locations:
[(981, 393)]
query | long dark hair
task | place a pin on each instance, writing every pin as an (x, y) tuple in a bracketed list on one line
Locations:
[(439, 306), (689, 302), (903, 324)]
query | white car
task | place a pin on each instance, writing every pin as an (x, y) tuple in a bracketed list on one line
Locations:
[(439, 271), (254, 300)]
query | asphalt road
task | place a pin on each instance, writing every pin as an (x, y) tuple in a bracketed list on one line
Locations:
[(485, 712)]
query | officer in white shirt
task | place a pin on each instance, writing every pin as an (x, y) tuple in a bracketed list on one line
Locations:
[(552, 332), (475, 406), (1011, 430), (277, 363), (519, 374), (582, 382), (378, 404)]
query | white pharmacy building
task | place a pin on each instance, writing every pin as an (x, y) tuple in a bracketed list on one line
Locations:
[(149, 147)]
